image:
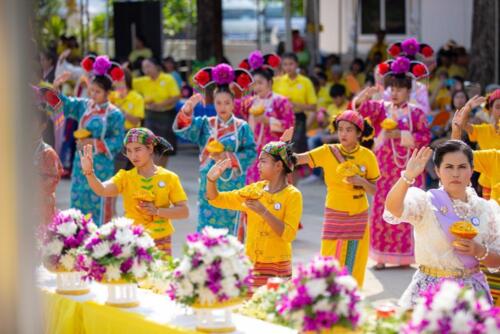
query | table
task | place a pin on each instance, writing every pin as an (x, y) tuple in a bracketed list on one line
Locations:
[(156, 314)]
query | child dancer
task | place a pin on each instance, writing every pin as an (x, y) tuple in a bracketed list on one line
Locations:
[(273, 208), (221, 137), (152, 195), (351, 172)]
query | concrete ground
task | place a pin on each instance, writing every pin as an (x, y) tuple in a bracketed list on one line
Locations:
[(387, 284)]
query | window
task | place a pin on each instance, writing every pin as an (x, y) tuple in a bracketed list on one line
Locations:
[(388, 15)]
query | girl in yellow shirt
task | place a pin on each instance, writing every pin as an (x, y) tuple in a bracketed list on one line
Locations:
[(351, 172), (152, 195), (273, 208)]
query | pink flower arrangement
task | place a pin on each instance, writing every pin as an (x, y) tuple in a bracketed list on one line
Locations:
[(61, 239), (400, 66), (118, 251), (101, 65), (256, 60), (322, 295), (449, 308), (214, 269), (223, 74), (410, 46)]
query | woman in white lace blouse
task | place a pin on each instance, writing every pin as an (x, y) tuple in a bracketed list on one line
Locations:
[(437, 252)]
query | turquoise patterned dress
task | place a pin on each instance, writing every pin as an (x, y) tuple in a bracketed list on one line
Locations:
[(106, 125), (238, 141)]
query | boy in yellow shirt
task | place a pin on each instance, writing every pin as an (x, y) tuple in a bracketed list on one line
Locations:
[(300, 92), (351, 171), (161, 93), (273, 208), (152, 195)]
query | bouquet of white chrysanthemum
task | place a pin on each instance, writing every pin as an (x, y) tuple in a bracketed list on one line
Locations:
[(450, 308), (118, 252), (213, 270), (61, 239), (322, 295)]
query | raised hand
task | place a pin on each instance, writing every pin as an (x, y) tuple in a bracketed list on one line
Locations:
[(65, 76), (87, 159), (475, 101), (216, 171), (188, 107), (460, 118), (65, 54), (287, 135), (417, 162)]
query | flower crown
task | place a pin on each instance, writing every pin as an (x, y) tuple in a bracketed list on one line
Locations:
[(223, 74), (256, 60), (403, 66), (101, 65), (410, 48)]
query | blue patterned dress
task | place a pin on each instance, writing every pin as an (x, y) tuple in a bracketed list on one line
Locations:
[(238, 141), (106, 124)]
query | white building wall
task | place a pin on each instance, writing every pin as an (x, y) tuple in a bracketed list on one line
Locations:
[(432, 21), (443, 20)]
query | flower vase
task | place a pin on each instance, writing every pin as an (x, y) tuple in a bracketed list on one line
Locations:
[(71, 283), (215, 318), (122, 294)]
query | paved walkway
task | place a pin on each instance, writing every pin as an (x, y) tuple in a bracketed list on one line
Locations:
[(386, 284)]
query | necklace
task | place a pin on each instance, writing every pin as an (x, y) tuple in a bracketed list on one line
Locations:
[(400, 160), (270, 199), (461, 209)]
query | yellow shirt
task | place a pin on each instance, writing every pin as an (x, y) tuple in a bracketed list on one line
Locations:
[(262, 243), (164, 186), (132, 104), (334, 110), (457, 71), (487, 138), (299, 90), (324, 98), (340, 195), (487, 162), (157, 91)]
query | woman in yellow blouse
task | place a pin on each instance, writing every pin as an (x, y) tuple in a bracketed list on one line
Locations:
[(351, 172), (273, 208), (161, 93), (152, 195), (486, 135)]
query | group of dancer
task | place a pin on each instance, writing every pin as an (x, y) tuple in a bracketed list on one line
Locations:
[(247, 157)]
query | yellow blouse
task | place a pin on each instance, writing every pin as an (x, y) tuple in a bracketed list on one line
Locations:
[(487, 138), (132, 104), (340, 195), (262, 243), (298, 90), (487, 162), (164, 188), (157, 91)]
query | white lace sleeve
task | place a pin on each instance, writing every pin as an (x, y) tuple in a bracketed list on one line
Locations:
[(492, 238), (415, 205)]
